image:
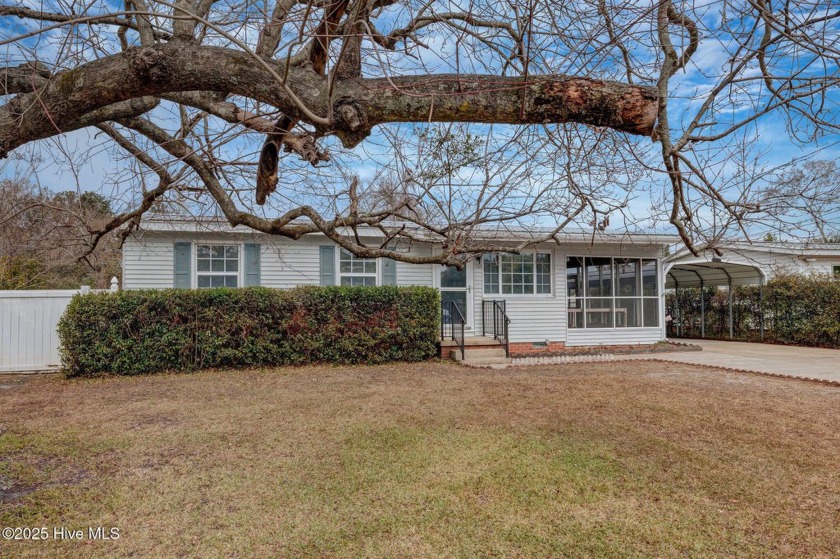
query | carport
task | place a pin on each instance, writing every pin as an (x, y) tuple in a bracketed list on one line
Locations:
[(714, 273)]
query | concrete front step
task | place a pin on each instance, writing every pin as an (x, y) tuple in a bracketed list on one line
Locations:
[(480, 356), (472, 353), (486, 362)]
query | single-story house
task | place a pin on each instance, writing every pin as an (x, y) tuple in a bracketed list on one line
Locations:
[(583, 290)]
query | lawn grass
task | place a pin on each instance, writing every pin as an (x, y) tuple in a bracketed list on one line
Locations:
[(627, 459)]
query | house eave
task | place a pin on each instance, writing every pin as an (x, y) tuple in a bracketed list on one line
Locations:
[(517, 236)]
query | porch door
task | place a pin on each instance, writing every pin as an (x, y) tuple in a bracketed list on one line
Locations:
[(454, 285)]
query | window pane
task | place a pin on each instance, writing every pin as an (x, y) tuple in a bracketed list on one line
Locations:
[(651, 308), (626, 278), (575, 313), (232, 252), (203, 251), (217, 281), (230, 281), (453, 277), (598, 277), (491, 273), (649, 283), (599, 313), (458, 297), (517, 273), (349, 264), (543, 273), (203, 264), (358, 280), (217, 251), (574, 277), (232, 265), (203, 281), (217, 265), (628, 313)]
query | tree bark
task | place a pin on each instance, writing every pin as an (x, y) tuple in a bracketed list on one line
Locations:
[(356, 105)]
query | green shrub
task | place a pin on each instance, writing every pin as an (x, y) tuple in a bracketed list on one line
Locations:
[(796, 309), (145, 331)]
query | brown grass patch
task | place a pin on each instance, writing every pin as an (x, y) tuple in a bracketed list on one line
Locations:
[(628, 459)]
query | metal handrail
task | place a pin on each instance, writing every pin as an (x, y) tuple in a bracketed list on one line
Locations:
[(500, 322), (454, 318)]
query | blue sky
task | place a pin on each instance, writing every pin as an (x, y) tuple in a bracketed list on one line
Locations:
[(84, 160)]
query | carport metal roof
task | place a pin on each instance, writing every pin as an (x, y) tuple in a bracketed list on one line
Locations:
[(709, 274), (713, 273)]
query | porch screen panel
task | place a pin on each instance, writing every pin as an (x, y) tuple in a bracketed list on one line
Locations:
[(606, 292)]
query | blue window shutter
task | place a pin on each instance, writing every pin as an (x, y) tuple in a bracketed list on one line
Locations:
[(327, 265), (389, 271), (252, 264), (183, 261)]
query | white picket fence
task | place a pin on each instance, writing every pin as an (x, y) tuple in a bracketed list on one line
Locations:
[(28, 321)]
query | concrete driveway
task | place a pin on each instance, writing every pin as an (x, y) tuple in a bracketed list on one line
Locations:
[(805, 362)]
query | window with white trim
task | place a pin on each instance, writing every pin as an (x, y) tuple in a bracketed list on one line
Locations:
[(517, 274), (353, 270), (836, 271), (217, 266), (612, 292)]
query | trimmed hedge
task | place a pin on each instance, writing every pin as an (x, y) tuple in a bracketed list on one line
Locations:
[(146, 331), (798, 310)]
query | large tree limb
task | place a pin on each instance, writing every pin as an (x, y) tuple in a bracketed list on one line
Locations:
[(24, 78), (68, 97)]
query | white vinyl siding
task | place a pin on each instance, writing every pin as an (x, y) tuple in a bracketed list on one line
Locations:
[(286, 264), (416, 274), (148, 262)]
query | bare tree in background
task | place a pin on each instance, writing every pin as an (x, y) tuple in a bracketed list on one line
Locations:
[(806, 199), (42, 239), (457, 116)]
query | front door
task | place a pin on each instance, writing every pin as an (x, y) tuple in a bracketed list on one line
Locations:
[(454, 286)]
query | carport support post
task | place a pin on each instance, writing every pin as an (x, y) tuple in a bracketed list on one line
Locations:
[(731, 331), (761, 306), (702, 311), (675, 320)]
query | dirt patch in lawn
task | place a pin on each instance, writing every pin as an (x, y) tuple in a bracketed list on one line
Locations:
[(620, 459)]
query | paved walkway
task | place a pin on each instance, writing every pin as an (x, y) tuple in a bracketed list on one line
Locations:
[(806, 362)]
